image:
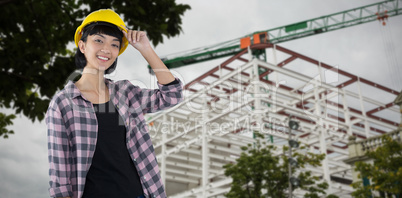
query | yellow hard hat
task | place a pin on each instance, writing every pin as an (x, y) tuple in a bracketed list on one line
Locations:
[(104, 15)]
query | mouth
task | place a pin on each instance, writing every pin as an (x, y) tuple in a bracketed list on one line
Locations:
[(103, 58)]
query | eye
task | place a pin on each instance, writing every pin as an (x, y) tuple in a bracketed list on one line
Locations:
[(115, 45), (98, 40)]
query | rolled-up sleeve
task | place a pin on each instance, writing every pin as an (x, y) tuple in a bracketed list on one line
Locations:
[(152, 100), (58, 154)]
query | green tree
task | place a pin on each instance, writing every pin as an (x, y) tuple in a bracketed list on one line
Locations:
[(385, 172), (34, 35), (258, 170)]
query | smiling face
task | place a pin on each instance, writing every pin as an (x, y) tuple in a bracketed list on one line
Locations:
[(100, 50)]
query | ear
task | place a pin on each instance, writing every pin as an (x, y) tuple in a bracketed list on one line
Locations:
[(81, 45)]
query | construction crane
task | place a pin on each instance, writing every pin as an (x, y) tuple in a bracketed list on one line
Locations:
[(378, 11)]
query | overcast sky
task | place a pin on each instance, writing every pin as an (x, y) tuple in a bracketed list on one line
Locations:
[(364, 50)]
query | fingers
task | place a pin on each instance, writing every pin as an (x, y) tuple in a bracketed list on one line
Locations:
[(133, 36), (139, 34)]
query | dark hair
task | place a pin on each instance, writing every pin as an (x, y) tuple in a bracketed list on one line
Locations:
[(98, 28)]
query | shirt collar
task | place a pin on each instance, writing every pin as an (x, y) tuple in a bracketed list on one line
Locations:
[(73, 91)]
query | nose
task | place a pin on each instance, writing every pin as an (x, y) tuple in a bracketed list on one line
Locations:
[(105, 50)]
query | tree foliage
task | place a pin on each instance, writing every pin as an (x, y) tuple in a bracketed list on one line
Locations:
[(385, 172), (258, 172), (34, 35)]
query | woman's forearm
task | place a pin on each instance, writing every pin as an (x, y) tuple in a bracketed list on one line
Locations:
[(161, 71)]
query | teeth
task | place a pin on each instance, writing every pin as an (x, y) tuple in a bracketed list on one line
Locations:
[(103, 58)]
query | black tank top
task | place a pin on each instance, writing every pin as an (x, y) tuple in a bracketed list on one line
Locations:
[(112, 172)]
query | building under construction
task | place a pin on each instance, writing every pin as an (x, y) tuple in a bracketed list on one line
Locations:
[(261, 86)]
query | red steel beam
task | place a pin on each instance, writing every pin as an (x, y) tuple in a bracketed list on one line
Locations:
[(375, 110), (344, 84), (308, 59), (231, 59), (288, 60)]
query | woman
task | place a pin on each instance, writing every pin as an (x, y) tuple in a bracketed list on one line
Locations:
[(98, 141)]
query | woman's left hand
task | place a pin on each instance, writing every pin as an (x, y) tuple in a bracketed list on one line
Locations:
[(138, 39)]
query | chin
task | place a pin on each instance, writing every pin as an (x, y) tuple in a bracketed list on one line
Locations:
[(103, 68)]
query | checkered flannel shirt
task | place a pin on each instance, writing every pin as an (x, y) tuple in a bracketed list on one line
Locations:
[(72, 133)]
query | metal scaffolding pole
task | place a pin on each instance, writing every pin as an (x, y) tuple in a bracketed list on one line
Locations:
[(366, 124), (205, 157)]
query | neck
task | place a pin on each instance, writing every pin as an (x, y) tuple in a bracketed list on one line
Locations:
[(92, 79)]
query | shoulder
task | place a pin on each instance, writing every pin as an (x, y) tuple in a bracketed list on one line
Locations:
[(63, 97), (122, 85)]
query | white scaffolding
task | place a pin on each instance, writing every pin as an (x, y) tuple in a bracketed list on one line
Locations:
[(222, 108)]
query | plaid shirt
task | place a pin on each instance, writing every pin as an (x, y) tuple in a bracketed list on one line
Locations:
[(72, 134)]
